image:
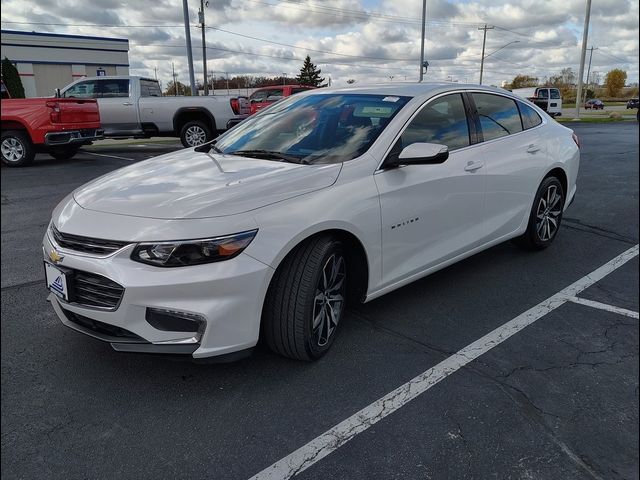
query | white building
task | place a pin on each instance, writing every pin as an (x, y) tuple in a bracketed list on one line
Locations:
[(46, 61)]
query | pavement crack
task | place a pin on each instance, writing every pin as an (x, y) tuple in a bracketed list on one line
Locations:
[(23, 284), (576, 224)]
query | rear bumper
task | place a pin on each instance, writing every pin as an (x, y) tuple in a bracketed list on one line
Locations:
[(70, 137)]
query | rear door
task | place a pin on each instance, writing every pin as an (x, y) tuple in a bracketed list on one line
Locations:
[(431, 213), (514, 153)]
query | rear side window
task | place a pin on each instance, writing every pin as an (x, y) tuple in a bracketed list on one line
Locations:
[(530, 117), (442, 121), (258, 96), (499, 115), (149, 88), (543, 93), (555, 93), (275, 94)]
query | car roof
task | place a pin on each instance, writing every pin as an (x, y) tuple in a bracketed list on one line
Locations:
[(410, 89)]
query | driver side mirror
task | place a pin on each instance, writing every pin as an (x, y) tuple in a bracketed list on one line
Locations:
[(419, 154)]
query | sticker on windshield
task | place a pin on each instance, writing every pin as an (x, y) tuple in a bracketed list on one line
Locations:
[(377, 111), (390, 99)]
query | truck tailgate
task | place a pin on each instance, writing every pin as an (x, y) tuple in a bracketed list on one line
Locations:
[(77, 110)]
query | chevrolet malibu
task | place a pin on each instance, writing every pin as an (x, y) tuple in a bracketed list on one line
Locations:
[(328, 197)]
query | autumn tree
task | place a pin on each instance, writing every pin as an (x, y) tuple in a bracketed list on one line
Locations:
[(522, 81), (177, 88), (310, 74), (614, 81)]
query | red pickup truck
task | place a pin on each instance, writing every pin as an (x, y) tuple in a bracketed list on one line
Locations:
[(263, 97), (57, 126)]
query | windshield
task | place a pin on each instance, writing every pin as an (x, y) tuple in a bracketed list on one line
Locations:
[(313, 129)]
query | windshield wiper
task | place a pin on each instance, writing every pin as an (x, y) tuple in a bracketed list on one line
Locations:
[(267, 155)]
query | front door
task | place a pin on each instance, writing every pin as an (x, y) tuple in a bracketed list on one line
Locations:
[(118, 111), (431, 213)]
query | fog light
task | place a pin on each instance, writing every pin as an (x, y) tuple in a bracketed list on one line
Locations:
[(174, 321)]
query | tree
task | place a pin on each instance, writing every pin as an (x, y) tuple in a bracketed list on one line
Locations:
[(182, 89), (614, 81), (11, 79), (522, 81), (310, 74)]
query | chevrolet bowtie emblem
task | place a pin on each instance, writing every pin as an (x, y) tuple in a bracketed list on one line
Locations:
[(55, 257)]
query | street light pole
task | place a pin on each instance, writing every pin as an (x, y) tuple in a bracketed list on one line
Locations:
[(484, 42), (424, 21), (583, 54), (187, 34)]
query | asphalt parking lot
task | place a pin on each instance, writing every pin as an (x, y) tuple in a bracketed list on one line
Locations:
[(558, 399)]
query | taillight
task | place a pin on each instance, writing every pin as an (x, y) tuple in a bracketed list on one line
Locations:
[(235, 106), (576, 139), (55, 111)]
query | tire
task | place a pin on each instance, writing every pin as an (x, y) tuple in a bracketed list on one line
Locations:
[(306, 300), (544, 220), (195, 133), (63, 153), (17, 149)]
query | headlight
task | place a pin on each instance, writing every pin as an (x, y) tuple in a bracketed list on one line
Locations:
[(192, 252)]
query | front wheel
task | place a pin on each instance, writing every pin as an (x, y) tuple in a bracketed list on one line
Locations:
[(545, 217), (17, 149), (195, 133), (306, 300)]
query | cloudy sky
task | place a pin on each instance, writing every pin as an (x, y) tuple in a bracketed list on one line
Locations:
[(365, 40)]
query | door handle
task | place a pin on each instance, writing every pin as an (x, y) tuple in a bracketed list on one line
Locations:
[(533, 148), (473, 166), (128, 104)]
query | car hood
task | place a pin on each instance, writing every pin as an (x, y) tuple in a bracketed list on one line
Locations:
[(189, 184)]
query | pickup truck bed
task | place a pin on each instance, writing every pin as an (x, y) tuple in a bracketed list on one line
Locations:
[(58, 126)]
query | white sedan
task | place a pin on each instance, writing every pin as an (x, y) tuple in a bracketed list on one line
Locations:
[(330, 196)]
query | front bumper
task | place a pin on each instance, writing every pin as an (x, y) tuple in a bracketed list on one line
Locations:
[(73, 137), (227, 295)]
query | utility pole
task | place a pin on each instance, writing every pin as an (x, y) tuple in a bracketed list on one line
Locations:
[(424, 21), (484, 42), (589, 71), (155, 72), (175, 85), (187, 34), (204, 45), (585, 36), (284, 78)]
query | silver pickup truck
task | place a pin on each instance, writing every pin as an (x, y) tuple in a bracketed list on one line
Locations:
[(134, 107)]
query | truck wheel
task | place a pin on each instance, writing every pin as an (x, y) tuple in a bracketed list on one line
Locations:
[(195, 133), (17, 149), (63, 153)]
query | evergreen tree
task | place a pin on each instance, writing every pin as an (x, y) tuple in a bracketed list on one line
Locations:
[(11, 79), (310, 74)]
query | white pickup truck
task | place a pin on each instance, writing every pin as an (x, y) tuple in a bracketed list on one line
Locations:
[(134, 107)]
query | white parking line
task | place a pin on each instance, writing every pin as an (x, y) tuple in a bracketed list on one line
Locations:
[(603, 306), (340, 434), (109, 156)]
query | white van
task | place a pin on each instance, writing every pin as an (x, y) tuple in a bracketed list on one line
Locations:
[(547, 98)]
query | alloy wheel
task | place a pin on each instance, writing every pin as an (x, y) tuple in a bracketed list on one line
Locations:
[(12, 149), (548, 214), (195, 136), (329, 299)]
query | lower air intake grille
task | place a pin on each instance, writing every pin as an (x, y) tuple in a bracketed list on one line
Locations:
[(96, 291)]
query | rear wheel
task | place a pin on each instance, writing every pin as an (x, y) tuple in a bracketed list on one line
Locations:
[(16, 148), (195, 133), (545, 217), (63, 153), (306, 300)]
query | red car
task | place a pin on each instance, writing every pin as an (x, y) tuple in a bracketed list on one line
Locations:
[(263, 97), (58, 126)]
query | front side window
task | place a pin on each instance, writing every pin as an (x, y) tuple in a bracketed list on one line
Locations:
[(258, 96), (87, 89), (442, 121), (317, 128), (499, 115)]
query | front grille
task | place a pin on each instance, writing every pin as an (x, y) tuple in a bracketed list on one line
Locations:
[(96, 291), (102, 328), (86, 244)]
